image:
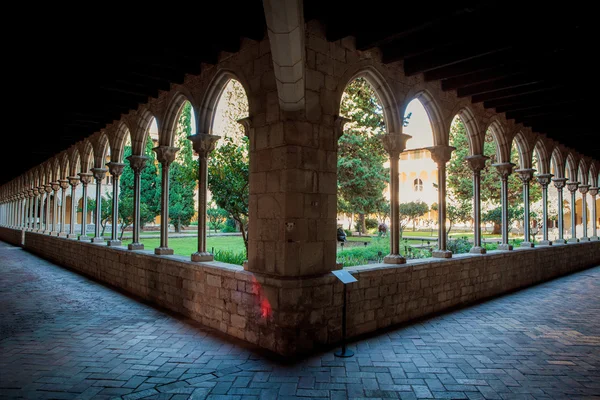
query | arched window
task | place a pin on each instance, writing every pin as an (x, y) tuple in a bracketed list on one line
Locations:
[(417, 185)]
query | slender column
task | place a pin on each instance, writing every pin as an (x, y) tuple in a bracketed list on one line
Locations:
[(560, 183), (31, 199), (165, 156), (526, 175), (441, 155), (572, 186), (544, 180), (22, 207), (203, 144), (99, 174), (504, 170), (36, 199), (137, 164), (583, 189), (593, 191), (85, 178), (394, 144), (115, 169), (73, 181), (55, 187), (64, 185), (47, 226), (477, 163)]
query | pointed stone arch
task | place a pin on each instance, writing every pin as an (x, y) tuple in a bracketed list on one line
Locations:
[(571, 167), (86, 153), (475, 136), (593, 174), (139, 126), (55, 168), (74, 161), (117, 140), (440, 128), (166, 131), (524, 148), (64, 165), (101, 147), (558, 161), (582, 171), (541, 150), (498, 133)]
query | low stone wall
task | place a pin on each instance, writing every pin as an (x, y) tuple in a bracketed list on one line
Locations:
[(291, 316), (12, 236)]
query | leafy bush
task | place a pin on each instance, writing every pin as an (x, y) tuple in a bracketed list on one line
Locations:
[(371, 223), (459, 245), (362, 255), (229, 226), (230, 257), (348, 232)]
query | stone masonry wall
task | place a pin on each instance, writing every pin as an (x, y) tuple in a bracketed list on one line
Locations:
[(12, 236)]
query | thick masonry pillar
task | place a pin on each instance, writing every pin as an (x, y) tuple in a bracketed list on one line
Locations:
[(572, 186), (560, 183), (47, 226), (165, 156), (394, 144), (593, 191), (137, 164), (441, 155), (85, 178), (73, 181), (64, 184), (583, 189), (55, 187), (203, 144), (477, 163), (544, 180), (504, 170), (99, 174), (115, 169), (526, 175)]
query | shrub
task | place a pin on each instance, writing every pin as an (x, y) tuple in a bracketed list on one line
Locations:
[(229, 226), (348, 232), (371, 223), (459, 245), (230, 257)]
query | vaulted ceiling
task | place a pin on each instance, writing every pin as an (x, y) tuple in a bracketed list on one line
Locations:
[(531, 61)]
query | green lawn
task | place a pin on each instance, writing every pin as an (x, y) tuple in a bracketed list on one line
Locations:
[(187, 246)]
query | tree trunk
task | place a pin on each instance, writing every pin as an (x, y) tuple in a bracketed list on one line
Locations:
[(362, 226), (178, 225), (497, 229)]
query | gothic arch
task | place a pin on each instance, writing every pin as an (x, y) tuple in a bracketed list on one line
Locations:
[(474, 134), (436, 117), (86, 152), (542, 156), (498, 133), (166, 132), (74, 161), (571, 168), (117, 141), (139, 130), (582, 172)]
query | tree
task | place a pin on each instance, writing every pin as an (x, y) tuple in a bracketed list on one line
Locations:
[(150, 186), (495, 215), (411, 212), (216, 216), (362, 177), (105, 210)]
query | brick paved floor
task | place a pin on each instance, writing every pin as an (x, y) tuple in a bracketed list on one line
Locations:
[(63, 336)]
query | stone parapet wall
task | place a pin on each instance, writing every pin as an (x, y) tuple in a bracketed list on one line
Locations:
[(291, 316), (12, 236)]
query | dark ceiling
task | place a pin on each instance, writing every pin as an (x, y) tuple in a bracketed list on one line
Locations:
[(532, 61)]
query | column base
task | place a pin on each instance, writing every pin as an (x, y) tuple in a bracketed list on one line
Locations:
[(527, 245), (584, 239), (505, 246), (52, 233), (441, 254), (84, 238), (202, 256), (559, 241), (394, 259), (573, 240), (98, 240), (62, 234), (114, 242), (163, 251), (545, 243), (135, 246), (72, 236), (594, 238), (477, 250)]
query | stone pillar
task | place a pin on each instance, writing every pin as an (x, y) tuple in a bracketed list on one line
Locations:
[(572, 186), (85, 178), (36, 201), (64, 184), (47, 226), (526, 175), (73, 181), (137, 164), (394, 144), (55, 187), (560, 183), (203, 144), (593, 191), (165, 156), (583, 189), (544, 180), (99, 174), (31, 201), (504, 170), (441, 155), (477, 163), (115, 169)]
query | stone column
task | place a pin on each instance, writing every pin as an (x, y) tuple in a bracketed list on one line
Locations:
[(477, 163), (85, 178), (55, 187), (203, 144), (560, 183), (115, 169), (31, 200), (583, 189), (441, 155), (99, 174), (504, 170), (165, 156), (35, 227), (593, 191), (47, 226), (572, 186), (137, 164), (394, 144), (544, 180), (526, 175), (64, 185), (73, 181)]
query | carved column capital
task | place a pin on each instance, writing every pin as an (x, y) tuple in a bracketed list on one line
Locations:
[(572, 186), (85, 178), (544, 179), (477, 162), (441, 153), (394, 143), (593, 191), (48, 188), (525, 174), (165, 154), (203, 143), (338, 126), (73, 181), (99, 173), (115, 168), (583, 189), (55, 186), (64, 184), (137, 163), (559, 183), (504, 169)]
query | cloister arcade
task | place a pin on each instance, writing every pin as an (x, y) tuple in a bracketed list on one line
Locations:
[(293, 136)]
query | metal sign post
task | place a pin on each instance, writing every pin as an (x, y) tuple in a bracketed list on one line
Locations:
[(344, 277)]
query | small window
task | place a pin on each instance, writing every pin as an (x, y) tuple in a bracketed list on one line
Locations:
[(417, 185)]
